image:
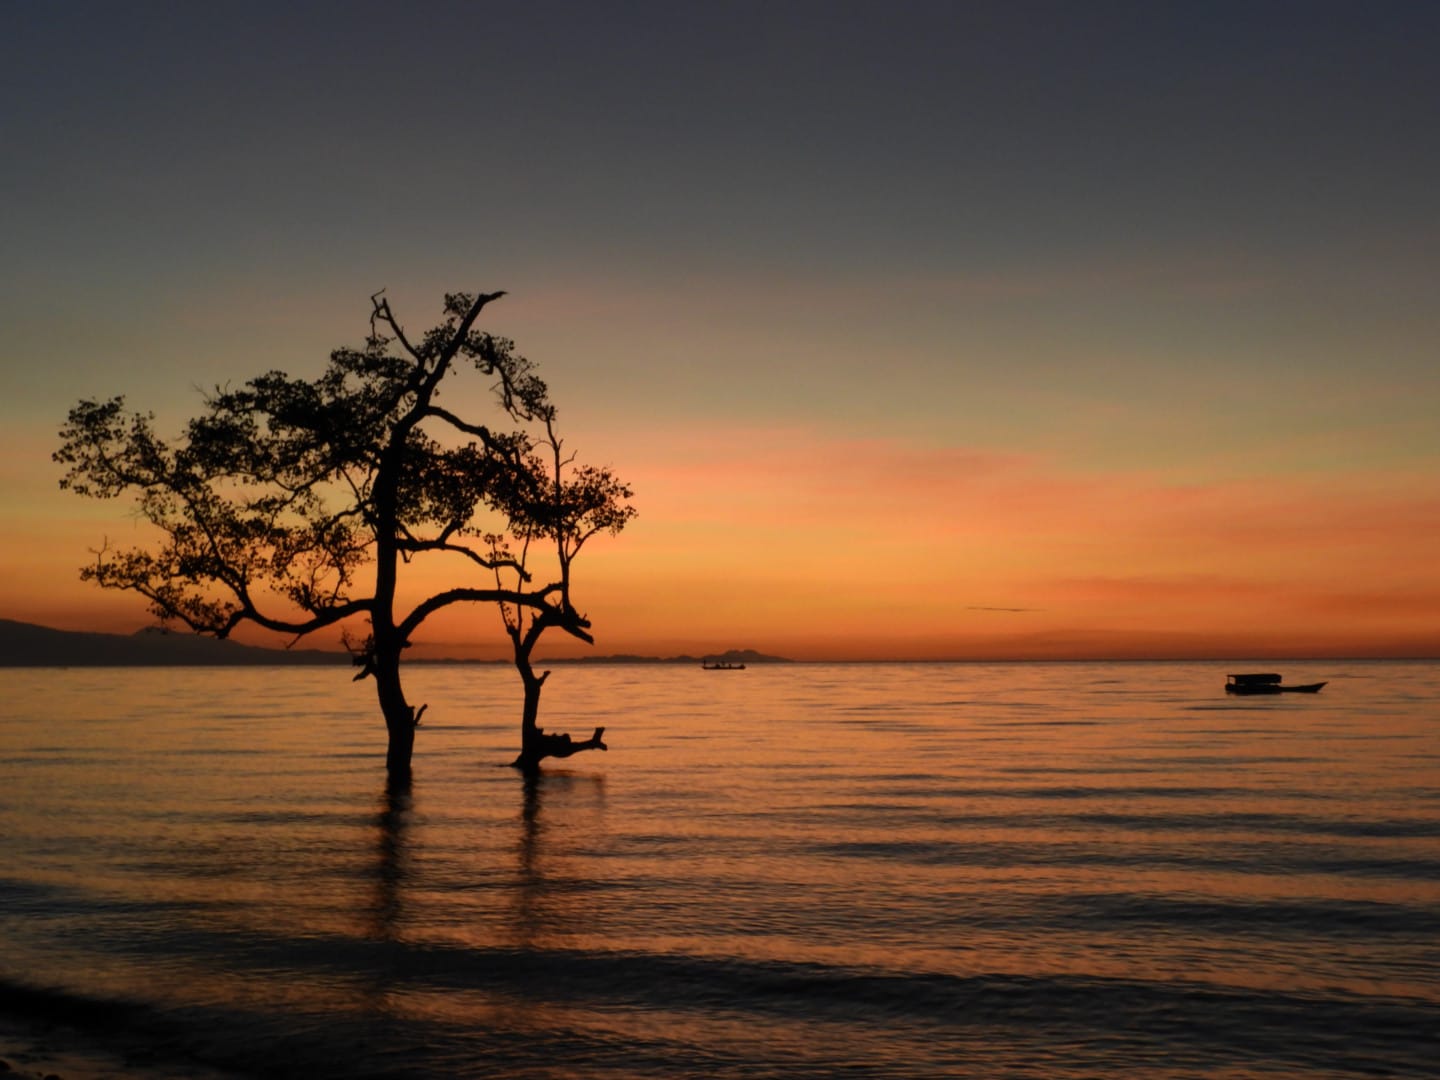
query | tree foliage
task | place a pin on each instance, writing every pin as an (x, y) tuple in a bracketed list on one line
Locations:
[(293, 503), (568, 505)]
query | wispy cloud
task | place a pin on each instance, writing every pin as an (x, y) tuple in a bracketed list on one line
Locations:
[(793, 529)]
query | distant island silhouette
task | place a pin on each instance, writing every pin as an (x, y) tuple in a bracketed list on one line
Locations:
[(25, 644), (730, 656)]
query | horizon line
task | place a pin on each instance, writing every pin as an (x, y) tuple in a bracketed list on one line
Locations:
[(760, 656)]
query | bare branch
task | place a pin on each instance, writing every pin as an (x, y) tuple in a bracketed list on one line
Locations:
[(480, 431), (415, 546), (572, 623), (384, 314)]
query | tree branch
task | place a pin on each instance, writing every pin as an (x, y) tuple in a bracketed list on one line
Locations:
[(381, 310), (573, 623), (543, 744), (480, 431), (414, 545)]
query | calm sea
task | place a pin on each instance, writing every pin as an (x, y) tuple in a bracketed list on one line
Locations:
[(968, 870)]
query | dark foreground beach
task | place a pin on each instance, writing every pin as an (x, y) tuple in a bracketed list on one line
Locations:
[(42, 1040), (45, 1052)]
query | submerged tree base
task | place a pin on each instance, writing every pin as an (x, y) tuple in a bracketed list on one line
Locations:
[(540, 744)]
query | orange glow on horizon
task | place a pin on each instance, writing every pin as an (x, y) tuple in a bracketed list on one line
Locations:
[(792, 543)]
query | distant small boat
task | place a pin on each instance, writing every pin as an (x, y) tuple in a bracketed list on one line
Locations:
[(722, 666), (1266, 683)]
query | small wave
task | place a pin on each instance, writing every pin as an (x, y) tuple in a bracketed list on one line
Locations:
[(1233, 859), (1130, 1017)]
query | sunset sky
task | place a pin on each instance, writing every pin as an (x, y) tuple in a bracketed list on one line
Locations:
[(929, 330)]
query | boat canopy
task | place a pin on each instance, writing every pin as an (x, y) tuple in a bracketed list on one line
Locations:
[(1256, 679)]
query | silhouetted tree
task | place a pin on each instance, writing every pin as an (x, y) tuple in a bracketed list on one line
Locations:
[(294, 504), (568, 506)]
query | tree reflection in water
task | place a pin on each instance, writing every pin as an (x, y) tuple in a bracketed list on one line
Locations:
[(392, 862), (561, 813), (560, 824)]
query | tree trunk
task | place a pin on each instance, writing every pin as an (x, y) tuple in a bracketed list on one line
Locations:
[(535, 743), (400, 718), (530, 734)]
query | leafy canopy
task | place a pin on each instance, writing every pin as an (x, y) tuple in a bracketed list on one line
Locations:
[(289, 487)]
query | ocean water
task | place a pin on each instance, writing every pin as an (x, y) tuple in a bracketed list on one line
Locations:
[(967, 870)]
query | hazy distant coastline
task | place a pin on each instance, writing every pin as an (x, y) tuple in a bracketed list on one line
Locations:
[(729, 656), (30, 645)]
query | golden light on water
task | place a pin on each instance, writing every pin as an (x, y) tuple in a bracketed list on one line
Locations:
[(760, 853)]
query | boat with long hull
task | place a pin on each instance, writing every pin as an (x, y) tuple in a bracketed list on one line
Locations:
[(1267, 683)]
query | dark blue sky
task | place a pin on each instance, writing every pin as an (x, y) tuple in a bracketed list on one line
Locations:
[(923, 135)]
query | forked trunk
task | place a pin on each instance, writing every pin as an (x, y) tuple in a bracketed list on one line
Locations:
[(535, 743)]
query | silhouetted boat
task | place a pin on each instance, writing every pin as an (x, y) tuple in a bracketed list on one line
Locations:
[(1266, 683), (722, 666)]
